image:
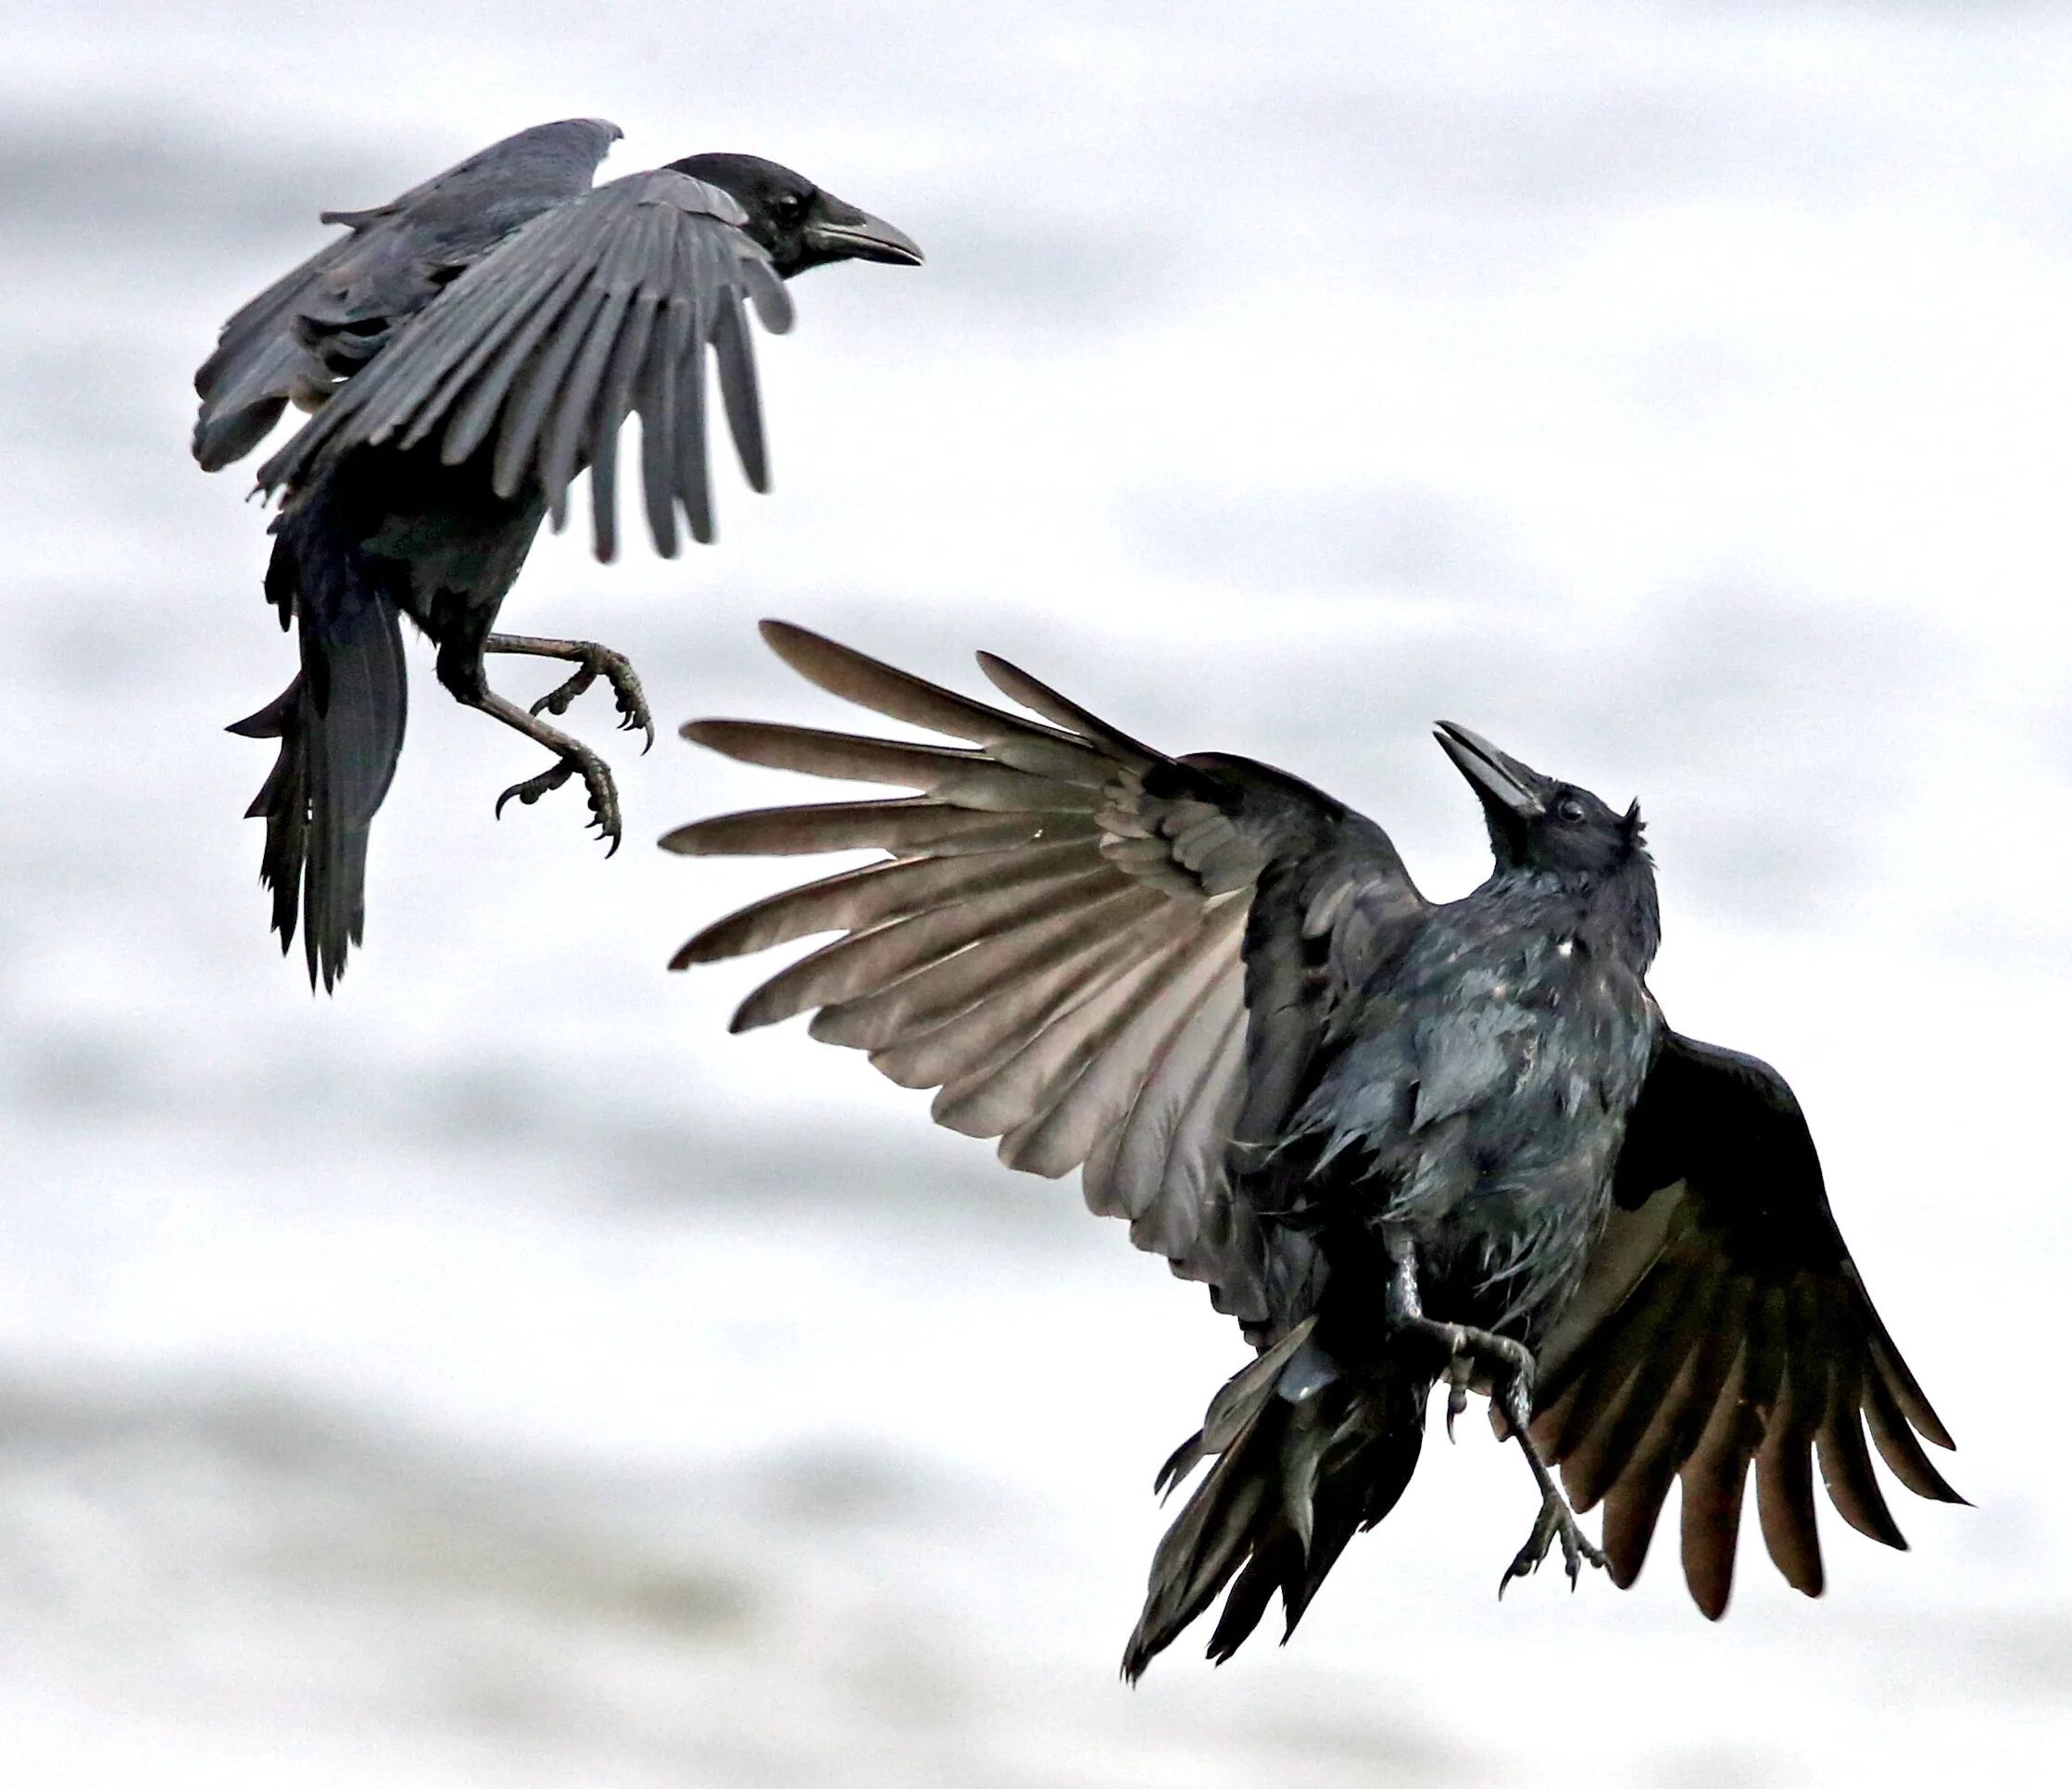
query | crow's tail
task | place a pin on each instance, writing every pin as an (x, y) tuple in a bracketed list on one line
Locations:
[(1307, 1453), (340, 724)]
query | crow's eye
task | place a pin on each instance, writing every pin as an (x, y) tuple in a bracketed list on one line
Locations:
[(1569, 808)]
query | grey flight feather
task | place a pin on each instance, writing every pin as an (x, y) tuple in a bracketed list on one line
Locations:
[(393, 264), (1058, 940), (1722, 1329), (598, 308)]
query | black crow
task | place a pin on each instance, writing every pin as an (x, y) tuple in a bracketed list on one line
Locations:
[(1402, 1142), (469, 348)]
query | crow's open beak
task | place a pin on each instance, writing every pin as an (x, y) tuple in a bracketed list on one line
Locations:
[(1509, 789), (839, 232)]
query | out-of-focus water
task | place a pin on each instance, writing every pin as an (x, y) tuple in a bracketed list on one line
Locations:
[(498, 1375)]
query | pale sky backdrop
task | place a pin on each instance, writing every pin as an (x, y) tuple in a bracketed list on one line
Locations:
[(496, 1374)]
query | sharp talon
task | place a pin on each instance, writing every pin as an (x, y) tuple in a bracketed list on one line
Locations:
[(596, 779), (1459, 1371), (1555, 1522)]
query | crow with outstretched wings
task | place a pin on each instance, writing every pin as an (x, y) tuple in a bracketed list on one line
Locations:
[(1402, 1142)]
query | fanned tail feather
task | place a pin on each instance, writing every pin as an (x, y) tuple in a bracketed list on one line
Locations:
[(1306, 1453), (340, 724)]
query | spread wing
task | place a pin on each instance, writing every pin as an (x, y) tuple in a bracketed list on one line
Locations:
[(1722, 1324), (1099, 954), (599, 308), (331, 314)]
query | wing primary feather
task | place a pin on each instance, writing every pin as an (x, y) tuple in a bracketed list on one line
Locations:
[(1712, 1479), (1845, 1463), (1038, 698), (854, 899), (476, 407), (536, 390), (904, 825), (655, 398), (694, 471), (738, 395), (613, 402), (1907, 1392), (575, 421), (412, 385), (1658, 1343), (900, 696), (852, 977), (1897, 1446), (950, 774), (1784, 1503)]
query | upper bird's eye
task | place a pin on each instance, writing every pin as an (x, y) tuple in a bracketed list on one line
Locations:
[(1569, 808)]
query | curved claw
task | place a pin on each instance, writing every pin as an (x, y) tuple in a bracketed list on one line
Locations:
[(1555, 1522), (617, 670), (603, 803), (1460, 1369), (533, 788)]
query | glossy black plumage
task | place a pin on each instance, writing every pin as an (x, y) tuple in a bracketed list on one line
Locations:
[(1401, 1143), (467, 350)]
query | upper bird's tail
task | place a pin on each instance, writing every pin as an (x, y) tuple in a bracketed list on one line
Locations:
[(340, 724), (1307, 1453)]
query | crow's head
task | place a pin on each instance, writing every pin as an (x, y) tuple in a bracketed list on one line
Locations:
[(796, 224), (1538, 823)]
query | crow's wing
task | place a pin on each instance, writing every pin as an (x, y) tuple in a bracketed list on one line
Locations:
[(597, 309), (1066, 938), (1722, 1323), (336, 310)]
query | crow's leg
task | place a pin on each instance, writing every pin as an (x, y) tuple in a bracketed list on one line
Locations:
[(577, 760), (592, 662), (1508, 1367), (460, 671), (1556, 1520)]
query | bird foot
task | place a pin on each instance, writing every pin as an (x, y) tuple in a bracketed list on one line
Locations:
[(626, 694), (1472, 1355), (1556, 1522), (596, 779)]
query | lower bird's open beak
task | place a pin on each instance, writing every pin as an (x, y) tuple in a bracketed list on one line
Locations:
[(842, 233), (1500, 780)]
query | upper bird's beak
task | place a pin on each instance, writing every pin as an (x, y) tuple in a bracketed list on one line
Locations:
[(839, 232), (1509, 789)]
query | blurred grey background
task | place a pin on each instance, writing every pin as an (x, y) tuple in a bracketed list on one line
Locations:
[(497, 1375)]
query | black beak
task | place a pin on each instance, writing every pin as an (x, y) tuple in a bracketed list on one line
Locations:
[(1509, 789), (836, 231)]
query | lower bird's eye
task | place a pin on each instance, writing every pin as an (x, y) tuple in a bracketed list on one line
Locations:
[(1569, 808)]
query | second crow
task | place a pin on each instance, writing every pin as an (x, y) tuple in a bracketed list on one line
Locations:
[(469, 348), (1405, 1143)]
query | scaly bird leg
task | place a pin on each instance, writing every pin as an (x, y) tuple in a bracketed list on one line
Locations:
[(1508, 1367), (577, 760), (1556, 1520), (592, 662)]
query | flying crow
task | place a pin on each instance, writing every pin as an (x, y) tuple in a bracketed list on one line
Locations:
[(1402, 1142), (469, 348)]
